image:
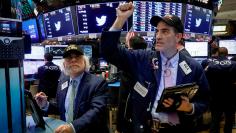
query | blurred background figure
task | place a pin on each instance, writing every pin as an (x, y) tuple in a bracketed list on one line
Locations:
[(133, 42), (221, 77), (214, 55), (48, 76)]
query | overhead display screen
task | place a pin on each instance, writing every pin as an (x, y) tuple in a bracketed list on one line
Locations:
[(30, 26), (144, 10), (197, 20), (59, 23), (93, 18)]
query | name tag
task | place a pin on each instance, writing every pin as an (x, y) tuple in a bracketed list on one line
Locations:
[(64, 85), (140, 89), (184, 66)]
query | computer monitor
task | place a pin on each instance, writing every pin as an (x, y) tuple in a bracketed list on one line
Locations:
[(59, 23), (102, 64), (37, 52), (93, 18), (56, 50), (230, 45), (197, 20), (197, 49), (144, 10), (30, 26), (31, 67), (10, 27)]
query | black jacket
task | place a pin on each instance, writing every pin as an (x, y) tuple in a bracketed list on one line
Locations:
[(48, 76)]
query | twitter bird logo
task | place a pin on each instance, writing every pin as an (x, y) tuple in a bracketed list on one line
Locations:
[(101, 21), (58, 25), (198, 22)]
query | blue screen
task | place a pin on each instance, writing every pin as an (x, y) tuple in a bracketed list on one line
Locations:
[(87, 49), (59, 23), (30, 26), (92, 18), (197, 20), (10, 28)]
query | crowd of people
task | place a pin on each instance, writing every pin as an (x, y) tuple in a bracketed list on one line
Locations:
[(81, 97)]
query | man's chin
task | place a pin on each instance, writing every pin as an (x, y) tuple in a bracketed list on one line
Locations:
[(158, 48)]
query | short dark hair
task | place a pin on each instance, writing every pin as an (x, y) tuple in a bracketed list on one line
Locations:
[(137, 42), (223, 51), (48, 56), (214, 39), (214, 50)]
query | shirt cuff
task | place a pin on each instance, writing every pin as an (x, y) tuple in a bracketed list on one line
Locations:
[(191, 113), (72, 127), (114, 29), (46, 107)]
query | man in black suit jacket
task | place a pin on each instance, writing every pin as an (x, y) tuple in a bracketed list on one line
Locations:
[(82, 105), (127, 82), (150, 70), (221, 77), (48, 76)]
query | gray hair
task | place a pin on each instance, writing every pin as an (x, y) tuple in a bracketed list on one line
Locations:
[(87, 65)]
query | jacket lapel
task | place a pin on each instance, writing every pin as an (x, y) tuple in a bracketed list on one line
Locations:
[(81, 88), (157, 74), (63, 91)]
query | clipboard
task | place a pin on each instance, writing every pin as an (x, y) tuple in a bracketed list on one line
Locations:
[(189, 90)]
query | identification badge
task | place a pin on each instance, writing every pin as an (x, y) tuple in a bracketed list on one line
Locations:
[(184, 66), (140, 89), (64, 85)]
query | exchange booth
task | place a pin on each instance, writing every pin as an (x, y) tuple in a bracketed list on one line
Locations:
[(12, 116)]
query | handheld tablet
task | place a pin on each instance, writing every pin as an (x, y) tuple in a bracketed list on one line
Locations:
[(35, 110)]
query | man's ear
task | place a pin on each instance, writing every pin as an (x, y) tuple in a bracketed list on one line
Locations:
[(179, 36)]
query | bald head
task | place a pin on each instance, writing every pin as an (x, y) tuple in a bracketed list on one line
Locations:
[(223, 51)]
